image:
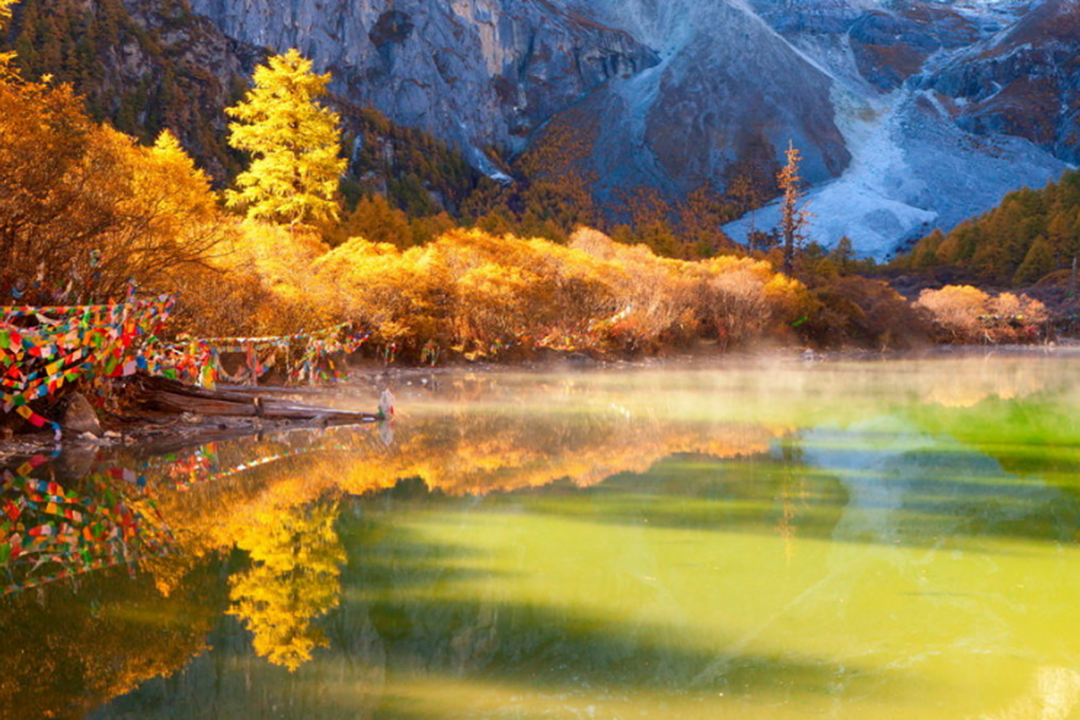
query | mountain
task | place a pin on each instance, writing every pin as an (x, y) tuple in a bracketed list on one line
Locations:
[(909, 114), (144, 66), (726, 82), (918, 163), (1023, 81), (476, 73), (147, 65)]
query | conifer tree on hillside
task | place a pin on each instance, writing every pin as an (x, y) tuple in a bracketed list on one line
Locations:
[(793, 218), (294, 141), (1031, 234)]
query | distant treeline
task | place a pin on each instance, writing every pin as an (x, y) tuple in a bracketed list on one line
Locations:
[(1030, 235)]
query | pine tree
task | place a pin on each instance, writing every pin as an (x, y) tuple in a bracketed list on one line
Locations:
[(793, 218), (295, 143), (1038, 262)]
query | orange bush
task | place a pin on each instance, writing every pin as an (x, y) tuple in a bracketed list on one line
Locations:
[(966, 314)]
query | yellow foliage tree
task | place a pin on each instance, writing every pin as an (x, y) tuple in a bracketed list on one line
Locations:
[(170, 207), (295, 577), (295, 143), (85, 208)]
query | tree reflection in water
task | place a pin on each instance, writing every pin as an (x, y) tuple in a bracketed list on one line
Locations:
[(296, 564)]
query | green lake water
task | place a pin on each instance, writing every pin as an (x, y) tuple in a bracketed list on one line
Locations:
[(749, 538)]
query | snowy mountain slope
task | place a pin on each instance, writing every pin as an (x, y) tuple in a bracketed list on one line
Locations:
[(916, 163), (913, 170)]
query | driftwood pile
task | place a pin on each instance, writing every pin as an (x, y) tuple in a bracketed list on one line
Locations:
[(163, 395)]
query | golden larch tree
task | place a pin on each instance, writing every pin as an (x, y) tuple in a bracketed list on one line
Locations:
[(295, 144)]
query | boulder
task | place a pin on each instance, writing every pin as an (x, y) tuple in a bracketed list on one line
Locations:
[(79, 417)]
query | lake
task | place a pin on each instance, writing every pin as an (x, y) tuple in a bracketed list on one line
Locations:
[(748, 538)]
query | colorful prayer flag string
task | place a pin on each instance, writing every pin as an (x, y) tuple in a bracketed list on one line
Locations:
[(86, 341)]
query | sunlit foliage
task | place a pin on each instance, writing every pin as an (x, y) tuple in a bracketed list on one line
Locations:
[(295, 143), (5, 15), (83, 208), (966, 314), (296, 564), (483, 295), (67, 651), (1029, 235), (142, 67)]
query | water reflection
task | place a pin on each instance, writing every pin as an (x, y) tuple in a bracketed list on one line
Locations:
[(837, 540), (296, 561), (51, 531)]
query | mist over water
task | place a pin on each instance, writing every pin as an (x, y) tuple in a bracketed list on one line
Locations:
[(748, 538)]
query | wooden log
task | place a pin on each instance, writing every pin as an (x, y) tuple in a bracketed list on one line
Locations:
[(157, 393)]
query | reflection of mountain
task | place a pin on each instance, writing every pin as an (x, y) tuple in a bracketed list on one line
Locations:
[(601, 535), (915, 488), (669, 587), (258, 495), (427, 615)]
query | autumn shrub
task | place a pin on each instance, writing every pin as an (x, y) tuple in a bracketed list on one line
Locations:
[(84, 209), (744, 298), (260, 281), (478, 294), (656, 298), (483, 296), (662, 301), (964, 314), (397, 295), (856, 311)]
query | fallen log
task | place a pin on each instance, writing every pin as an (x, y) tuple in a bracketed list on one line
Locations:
[(150, 392)]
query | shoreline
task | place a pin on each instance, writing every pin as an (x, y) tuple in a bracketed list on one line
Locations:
[(166, 432)]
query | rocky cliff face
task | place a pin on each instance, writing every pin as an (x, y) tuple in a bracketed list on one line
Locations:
[(726, 80), (477, 73), (1023, 81)]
